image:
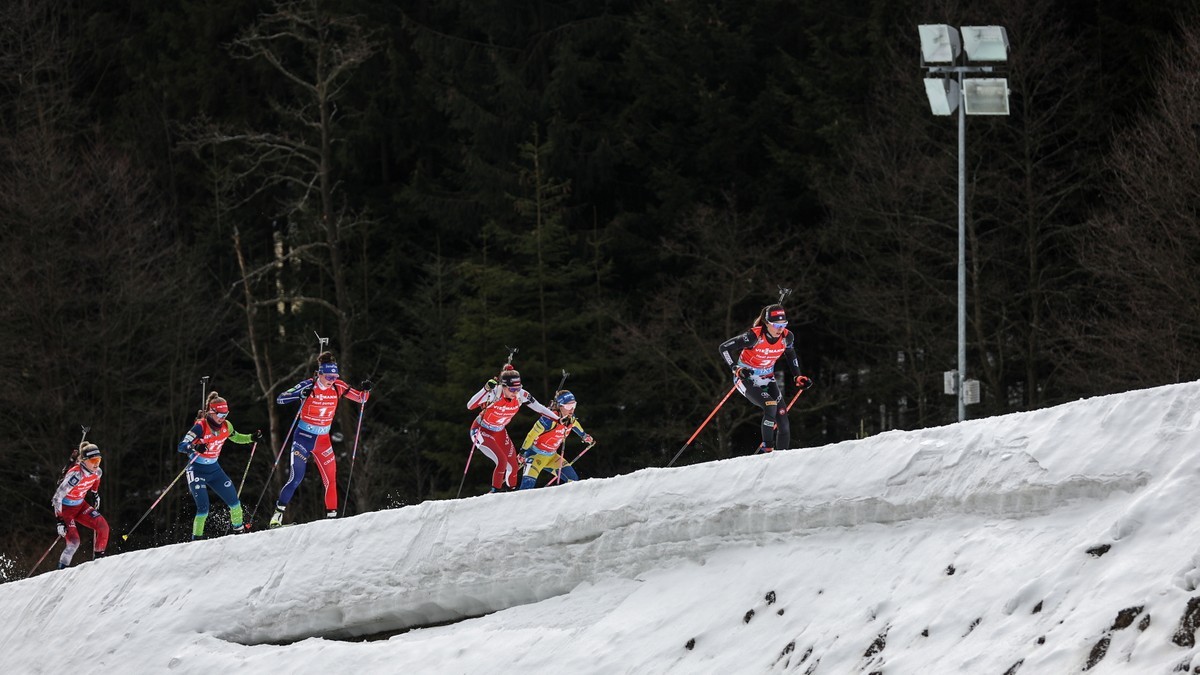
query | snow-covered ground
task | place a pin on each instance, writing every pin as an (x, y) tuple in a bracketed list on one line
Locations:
[(1039, 542)]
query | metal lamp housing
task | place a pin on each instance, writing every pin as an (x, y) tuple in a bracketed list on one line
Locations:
[(939, 43), (943, 95), (985, 96), (985, 43)]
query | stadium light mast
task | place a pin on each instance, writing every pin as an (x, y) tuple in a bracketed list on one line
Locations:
[(949, 56)]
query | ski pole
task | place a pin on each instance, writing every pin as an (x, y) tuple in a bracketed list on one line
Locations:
[(703, 424), (247, 471), (52, 545), (572, 462), (286, 439), (354, 453), (125, 537), (465, 469), (762, 446)]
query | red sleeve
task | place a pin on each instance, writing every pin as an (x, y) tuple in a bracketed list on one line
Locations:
[(352, 393)]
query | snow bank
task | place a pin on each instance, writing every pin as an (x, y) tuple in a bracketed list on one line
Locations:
[(924, 551)]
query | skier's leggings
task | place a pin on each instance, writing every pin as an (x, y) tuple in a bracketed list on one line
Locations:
[(306, 444), (205, 477), (82, 514), (553, 463), (776, 432), (498, 447)]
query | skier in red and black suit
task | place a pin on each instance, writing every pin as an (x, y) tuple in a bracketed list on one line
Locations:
[(319, 396), (752, 356), (71, 507), (501, 401)]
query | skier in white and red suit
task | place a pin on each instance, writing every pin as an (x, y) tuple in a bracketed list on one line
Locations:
[(500, 402), (71, 506)]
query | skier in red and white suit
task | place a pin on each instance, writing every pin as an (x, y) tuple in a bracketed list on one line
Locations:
[(501, 401), (71, 507), (752, 356)]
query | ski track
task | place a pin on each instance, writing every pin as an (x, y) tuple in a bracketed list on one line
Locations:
[(629, 547)]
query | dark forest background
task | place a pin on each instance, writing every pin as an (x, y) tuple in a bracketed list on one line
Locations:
[(614, 187)]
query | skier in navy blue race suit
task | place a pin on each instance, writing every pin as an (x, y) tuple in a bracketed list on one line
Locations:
[(752, 356), (319, 400), (203, 443)]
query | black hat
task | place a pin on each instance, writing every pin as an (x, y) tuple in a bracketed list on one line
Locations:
[(776, 315), (511, 378), (89, 451)]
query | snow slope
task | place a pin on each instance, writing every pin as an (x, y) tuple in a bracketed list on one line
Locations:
[(1039, 542)]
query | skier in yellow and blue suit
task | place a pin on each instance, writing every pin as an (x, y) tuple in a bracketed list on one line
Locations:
[(542, 443)]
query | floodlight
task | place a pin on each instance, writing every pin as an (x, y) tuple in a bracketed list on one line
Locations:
[(956, 88), (985, 43), (943, 95), (985, 96), (939, 43)]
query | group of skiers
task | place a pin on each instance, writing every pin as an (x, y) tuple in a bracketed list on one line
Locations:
[(752, 356), (202, 444), (541, 451)]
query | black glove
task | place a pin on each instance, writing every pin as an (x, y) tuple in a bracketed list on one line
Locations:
[(366, 385), (803, 382), (490, 385), (742, 373), (258, 435), (304, 392), (62, 528)]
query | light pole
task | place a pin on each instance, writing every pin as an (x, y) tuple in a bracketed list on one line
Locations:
[(948, 89)]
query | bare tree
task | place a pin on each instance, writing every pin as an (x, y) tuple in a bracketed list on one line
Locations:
[(1143, 246), (1033, 178), (313, 53)]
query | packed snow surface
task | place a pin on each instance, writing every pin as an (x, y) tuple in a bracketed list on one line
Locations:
[(1051, 541)]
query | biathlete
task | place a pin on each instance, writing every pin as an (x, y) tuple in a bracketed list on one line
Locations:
[(71, 506), (544, 440), (500, 402), (202, 444), (752, 356), (319, 396)]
